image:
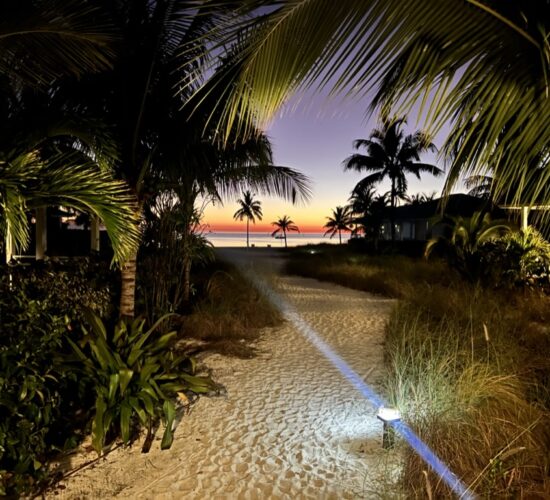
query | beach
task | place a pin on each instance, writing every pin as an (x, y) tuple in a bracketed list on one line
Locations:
[(288, 425)]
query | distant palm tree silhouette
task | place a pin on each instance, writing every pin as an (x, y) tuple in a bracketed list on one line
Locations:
[(251, 209), (341, 220), (391, 154), (284, 224)]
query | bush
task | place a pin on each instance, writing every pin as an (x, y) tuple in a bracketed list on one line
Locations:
[(136, 376), (521, 258), (40, 401), (44, 404)]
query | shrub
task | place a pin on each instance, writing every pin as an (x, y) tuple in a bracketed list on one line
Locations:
[(40, 401), (136, 376), (521, 258)]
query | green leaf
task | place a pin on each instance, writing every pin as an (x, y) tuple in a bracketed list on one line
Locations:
[(113, 385), (125, 378), (169, 416), (125, 420), (163, 341), (134, 403), (147, 402), (98, 429)]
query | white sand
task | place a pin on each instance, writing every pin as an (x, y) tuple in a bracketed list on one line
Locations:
[(290, 426)]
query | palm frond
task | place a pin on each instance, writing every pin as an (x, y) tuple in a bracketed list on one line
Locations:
[(28, 182), (487, 73), (42, 40)]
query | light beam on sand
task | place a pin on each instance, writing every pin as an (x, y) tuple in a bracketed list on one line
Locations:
[(421, 448)]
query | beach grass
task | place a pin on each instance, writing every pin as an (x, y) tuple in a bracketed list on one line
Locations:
[(467, 367), (228, 315)]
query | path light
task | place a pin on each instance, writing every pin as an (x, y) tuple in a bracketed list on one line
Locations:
[(389, 416), (312, 252)]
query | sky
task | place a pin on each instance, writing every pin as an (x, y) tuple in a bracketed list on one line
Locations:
[(315, 135)]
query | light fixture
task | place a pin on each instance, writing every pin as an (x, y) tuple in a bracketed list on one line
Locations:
[(388, 416)]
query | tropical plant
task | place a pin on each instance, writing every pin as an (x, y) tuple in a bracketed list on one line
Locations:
[(283, 225), (339, 221), (480, 186), (250, 209), (136, 377), (519, 258), (462, 246), (171, 245), (44, 404), (391, 154)]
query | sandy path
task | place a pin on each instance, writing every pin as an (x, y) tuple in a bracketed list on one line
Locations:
[(290, 425)]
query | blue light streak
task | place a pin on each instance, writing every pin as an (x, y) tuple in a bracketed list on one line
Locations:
[(421, 448)]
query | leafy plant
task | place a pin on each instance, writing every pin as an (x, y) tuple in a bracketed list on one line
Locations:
[(136, 376), (462, 247), (43, 403)]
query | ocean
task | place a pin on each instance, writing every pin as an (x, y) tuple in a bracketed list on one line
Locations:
[(238, 239)]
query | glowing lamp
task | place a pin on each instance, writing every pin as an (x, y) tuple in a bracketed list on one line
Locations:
[(388, 416)]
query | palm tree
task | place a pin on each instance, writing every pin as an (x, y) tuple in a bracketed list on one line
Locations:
[(419, 198), (340, 221), (391, 154), (487, 74), (284, 224), (251, 209)]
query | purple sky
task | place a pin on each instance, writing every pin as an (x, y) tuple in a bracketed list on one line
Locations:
[(314, 136)]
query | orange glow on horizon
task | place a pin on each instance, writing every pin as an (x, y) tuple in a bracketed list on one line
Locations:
[(240, 227)]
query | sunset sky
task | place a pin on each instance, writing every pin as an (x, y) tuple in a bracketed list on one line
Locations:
[(315, 136)]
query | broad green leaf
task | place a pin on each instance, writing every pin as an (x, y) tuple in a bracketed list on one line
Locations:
[(98, 429), (169, 415), (125, 420), (125, 378), (114, 381), (134, 403)]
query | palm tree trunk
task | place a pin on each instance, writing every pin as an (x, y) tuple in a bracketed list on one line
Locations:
[(186, 279), (284, 233), (128, 286), (247, 229), (340, 235), (392, 210)]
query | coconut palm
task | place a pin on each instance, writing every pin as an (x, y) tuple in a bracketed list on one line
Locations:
[(339, 221), (391, 154), (142, 93), (284, 224), (487, 74), (251, 209)]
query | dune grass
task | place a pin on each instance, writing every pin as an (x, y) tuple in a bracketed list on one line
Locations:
[(228, 315), (467, 367)]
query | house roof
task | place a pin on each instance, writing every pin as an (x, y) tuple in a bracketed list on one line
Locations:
[(456, 204)]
